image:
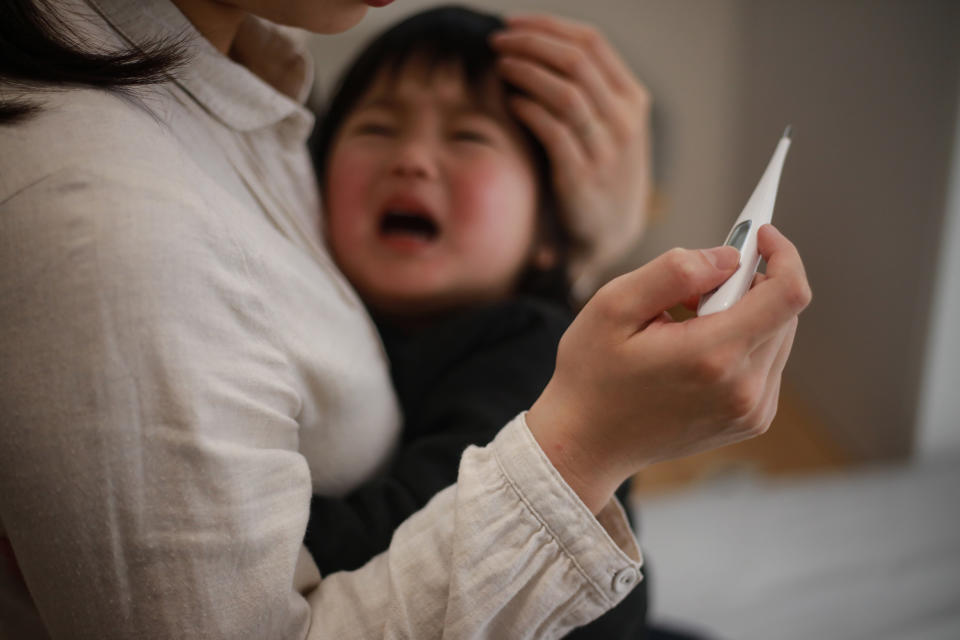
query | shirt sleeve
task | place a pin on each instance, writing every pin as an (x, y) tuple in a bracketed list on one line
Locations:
[(150, 483)]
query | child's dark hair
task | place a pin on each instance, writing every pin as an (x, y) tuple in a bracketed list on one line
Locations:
[(449, 34)]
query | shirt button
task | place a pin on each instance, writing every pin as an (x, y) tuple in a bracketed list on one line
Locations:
[(625, 579)]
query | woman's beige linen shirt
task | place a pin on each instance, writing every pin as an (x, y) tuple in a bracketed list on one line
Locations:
[(181, 365)]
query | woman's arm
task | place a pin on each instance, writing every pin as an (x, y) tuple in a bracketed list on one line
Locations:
[(461, 380), (150, 483)]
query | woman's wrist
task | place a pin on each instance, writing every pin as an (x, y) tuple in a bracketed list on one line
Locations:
[(584, 472)]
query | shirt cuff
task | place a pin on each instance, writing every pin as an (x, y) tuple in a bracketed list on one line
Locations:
[(603, 548)]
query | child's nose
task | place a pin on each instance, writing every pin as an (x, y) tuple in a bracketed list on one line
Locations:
[(414, 158)]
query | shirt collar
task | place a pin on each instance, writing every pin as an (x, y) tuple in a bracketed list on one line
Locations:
[(270, 86)]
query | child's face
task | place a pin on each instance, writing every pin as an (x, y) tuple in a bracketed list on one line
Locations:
[(431, 195)]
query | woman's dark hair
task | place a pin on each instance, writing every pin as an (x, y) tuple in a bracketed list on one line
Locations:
[(440, 36), (37, 49)]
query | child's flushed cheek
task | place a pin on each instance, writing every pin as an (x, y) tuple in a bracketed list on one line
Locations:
[(348, 184), (497, 201)]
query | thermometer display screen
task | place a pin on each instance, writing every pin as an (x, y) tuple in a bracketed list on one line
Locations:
[(739, 235)]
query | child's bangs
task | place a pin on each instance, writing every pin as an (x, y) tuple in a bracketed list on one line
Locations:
[(437, 38), (438, 44)]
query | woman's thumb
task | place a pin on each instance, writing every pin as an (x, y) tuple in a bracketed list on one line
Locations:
[(725, 258)]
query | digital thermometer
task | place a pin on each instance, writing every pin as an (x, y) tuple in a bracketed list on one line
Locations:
[(743, 235)]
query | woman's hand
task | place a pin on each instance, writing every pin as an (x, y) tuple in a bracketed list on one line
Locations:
[(592, 115), (632, 386)]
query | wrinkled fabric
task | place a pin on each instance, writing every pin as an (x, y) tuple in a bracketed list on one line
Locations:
[(183, 365)]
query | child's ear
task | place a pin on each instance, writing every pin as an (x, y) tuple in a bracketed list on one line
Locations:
[(545, 257)]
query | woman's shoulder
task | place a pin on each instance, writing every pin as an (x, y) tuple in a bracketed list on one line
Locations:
[(104, 158), (101, 172), (99, 203), (84, 131)]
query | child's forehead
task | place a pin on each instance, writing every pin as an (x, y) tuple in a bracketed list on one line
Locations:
[(444, 82)]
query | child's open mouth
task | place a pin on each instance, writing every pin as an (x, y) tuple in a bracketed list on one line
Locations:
[(406, 223)]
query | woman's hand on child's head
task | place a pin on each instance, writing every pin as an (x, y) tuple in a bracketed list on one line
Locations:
[(632, 387), (592, 115)]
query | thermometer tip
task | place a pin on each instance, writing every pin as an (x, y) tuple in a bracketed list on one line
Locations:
[(787, 131)]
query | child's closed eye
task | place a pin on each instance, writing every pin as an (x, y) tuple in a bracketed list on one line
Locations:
[(471, 135), (374, 128)]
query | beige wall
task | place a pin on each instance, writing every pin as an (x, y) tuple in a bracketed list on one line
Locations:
[(870, 87)]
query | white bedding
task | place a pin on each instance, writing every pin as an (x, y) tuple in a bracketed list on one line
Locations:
[(873, 554)]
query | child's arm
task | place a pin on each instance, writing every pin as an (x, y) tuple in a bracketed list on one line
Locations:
[(474, 388)]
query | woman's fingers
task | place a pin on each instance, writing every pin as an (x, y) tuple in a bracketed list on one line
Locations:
[(776, 299), (553, 134), (570, 75), (583, 67), (783, 260), (614, 69), (564, 99), (636, 298), (767, 409), (767, 361), (783, 353)]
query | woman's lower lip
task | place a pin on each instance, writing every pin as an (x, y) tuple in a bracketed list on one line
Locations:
[(377, 3)]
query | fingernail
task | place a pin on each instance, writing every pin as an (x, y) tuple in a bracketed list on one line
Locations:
[(723, 258)]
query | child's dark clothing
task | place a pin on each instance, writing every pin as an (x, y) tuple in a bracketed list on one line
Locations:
[(459, 380)]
